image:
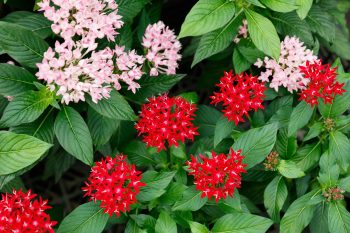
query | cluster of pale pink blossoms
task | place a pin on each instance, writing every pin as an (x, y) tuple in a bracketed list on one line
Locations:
[(162, 49), (77, 67), (242, 32), (286, 71)]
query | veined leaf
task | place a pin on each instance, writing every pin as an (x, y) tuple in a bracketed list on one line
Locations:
[(261, 30), (21, 44), (18, 151), (73, 134), (86, 218), (275, 195), (206, 16), (191, 200)]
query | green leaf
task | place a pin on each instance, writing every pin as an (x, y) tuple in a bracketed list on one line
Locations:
[(15, 184), (339, 147), (26, 108), (101, 127), (42, 128), (191, 97), (18, 151), (223, 129), (289, 24), (286, 146), (314, 131), (216, 41), (280, 5), (132, 227), (36, 23), (307, 156), (329, 170), (319, 223), (191, 200), (15, 80), (73, 135), (86, 218), (165, 224), (289, 169), (275, 195), (321, 22), (304, 7), (300, 117), (244, 55), (116, 107), (130, 8), (344, 183), (178, 151), (338, 218), (206, 16), (340, 104), (57, 164), (138, 154), (241, 223), (206, 119), (256, 144), (144, 221), (341, 44), (173, 193), (21, 44), (300, 213), (152, 86), (256, 3), (197, 227), (261, 30), (156, 184)]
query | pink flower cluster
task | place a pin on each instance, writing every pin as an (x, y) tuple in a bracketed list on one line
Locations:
[(242, 31), (87, 19), (162, 49), (286, 71)]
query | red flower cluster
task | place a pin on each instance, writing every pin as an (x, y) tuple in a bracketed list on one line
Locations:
[(322, 83), (166, 120), (217, 176), (239, 94), (19, 213), (115, 183)]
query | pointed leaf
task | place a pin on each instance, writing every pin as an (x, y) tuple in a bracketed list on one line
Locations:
[(165, 224), (191, 200), (275, 195), (261, 30), (18, 151), (300, 117), (206, 16), (338, 218), (73, 134), (86, 218)]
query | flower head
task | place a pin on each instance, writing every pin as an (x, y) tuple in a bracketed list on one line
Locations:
[(162, 49), (239, 94), (20, 212), (285, 72), (333, 194), (166, 120), (321, 83), (115, 183), (87, 19), (272, 161), (217, 176)]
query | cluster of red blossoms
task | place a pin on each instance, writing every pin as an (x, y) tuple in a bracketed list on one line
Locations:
[(239, 94), (217, 176), (166, 120), (115, 183), (20, 213), (322, 83)]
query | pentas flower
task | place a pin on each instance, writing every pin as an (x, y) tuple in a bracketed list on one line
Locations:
[(162, 49), (285, 72), (242, 31), (115, 183), (219, 175), (321, 83), (166, 120), (87, 19), (239, 94), (20, 212)]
